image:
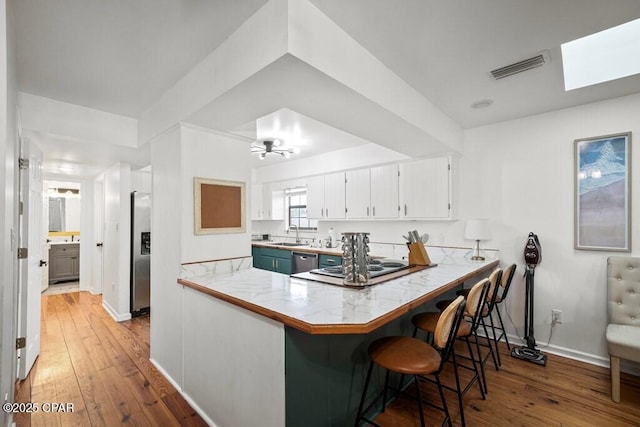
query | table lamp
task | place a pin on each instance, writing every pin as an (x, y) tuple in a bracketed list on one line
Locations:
[(477, 229)]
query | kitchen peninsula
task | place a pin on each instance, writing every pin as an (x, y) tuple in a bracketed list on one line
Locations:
[(275, 350)]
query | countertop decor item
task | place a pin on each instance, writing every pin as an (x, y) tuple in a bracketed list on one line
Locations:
[(477, 229)]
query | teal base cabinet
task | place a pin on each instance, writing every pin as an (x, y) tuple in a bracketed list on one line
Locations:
[(325, 373), (271, 259), (325, 261)]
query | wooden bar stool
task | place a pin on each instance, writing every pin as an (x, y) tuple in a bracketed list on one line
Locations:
[(427, 322), (505, 284), (494, 280), (411, 356)]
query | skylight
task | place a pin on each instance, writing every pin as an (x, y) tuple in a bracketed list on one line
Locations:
[(608, 55)]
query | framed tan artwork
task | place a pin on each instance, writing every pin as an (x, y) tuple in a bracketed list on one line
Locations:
[(219, 206)]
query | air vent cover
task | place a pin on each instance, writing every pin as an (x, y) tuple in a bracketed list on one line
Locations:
[(518, 67)]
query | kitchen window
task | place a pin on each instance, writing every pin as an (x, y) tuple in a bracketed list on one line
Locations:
[(296, 199)]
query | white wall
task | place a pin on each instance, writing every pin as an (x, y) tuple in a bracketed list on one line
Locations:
[(166, 295), (141, 181), (209, 154), (8, 212), (179, 155), (525, 183), (116, 249)]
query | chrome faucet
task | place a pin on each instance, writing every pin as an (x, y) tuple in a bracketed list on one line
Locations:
[(297, 235)]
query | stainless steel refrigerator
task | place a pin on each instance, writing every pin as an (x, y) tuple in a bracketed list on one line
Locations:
[(140, 253)]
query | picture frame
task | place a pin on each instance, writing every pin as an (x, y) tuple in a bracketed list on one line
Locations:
[(602, 193), (219, 206)]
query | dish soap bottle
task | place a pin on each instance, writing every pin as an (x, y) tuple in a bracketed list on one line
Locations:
[(332, 238)]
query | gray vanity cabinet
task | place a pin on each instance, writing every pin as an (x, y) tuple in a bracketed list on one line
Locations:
[(64, 262)]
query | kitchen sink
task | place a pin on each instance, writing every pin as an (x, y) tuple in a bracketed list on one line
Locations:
[(289, 244)]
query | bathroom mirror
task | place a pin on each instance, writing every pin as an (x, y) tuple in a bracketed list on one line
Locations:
[(64, 209)]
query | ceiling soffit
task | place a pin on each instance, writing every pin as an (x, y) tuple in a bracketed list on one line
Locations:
[(311, 66)]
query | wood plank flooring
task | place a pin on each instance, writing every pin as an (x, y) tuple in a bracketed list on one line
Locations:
[(565, 392), (100, 366), (103, 368)]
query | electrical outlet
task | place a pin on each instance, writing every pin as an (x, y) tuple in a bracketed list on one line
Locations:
[(556, 316)]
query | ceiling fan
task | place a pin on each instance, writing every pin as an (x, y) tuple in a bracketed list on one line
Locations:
[(273, 146)]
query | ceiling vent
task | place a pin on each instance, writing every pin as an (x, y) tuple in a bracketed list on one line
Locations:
[(518, 67)]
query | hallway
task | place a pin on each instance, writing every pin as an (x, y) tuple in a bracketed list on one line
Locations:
[(101, 367)]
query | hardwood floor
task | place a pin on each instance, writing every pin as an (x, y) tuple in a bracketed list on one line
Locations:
[(565, 392), (101, 367)]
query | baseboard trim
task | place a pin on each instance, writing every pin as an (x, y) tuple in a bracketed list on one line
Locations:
[(580, 356), (114, 314), (186, 397)]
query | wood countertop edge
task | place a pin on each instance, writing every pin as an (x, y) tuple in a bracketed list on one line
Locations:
[(334, 329)]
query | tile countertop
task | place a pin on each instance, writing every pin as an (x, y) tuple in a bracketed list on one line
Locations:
[(319, 308)]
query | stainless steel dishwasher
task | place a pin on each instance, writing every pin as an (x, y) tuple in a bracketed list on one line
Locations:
[(303, 261)]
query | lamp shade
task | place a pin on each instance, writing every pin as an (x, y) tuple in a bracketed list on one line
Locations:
[(477, 229)]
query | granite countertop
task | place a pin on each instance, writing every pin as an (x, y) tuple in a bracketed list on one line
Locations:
[(319, 308)]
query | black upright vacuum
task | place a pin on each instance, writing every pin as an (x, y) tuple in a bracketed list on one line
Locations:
[(532, 257)]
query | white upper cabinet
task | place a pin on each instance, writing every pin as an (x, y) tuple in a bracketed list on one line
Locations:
[(372, 193), (273, 203), (266, 203), (326, 196), (425, 189), (315, 197), (334, 196), (358, 194), (384, 192), (257, 208)]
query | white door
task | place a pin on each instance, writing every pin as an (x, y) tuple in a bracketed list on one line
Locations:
[(45, 243), (31, 237), (98, 230)]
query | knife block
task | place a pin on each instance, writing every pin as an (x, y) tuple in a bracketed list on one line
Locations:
[(418, 254)]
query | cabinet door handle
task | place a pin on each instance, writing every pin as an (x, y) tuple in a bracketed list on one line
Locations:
[(405, 209), (330, 261), (374, 211), (327, 209), (367, 210), (276, 264)]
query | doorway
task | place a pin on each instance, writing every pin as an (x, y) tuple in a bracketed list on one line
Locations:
[(63, 210)]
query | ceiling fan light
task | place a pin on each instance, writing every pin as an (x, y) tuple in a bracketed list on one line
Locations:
[(276, 142), (286, 154), (262, 156)]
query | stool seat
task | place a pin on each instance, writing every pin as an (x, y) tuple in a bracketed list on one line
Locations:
[(405, 355), (428, 321), (414, 357)]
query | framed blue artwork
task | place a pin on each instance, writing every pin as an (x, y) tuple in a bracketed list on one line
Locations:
[(603, 193)]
